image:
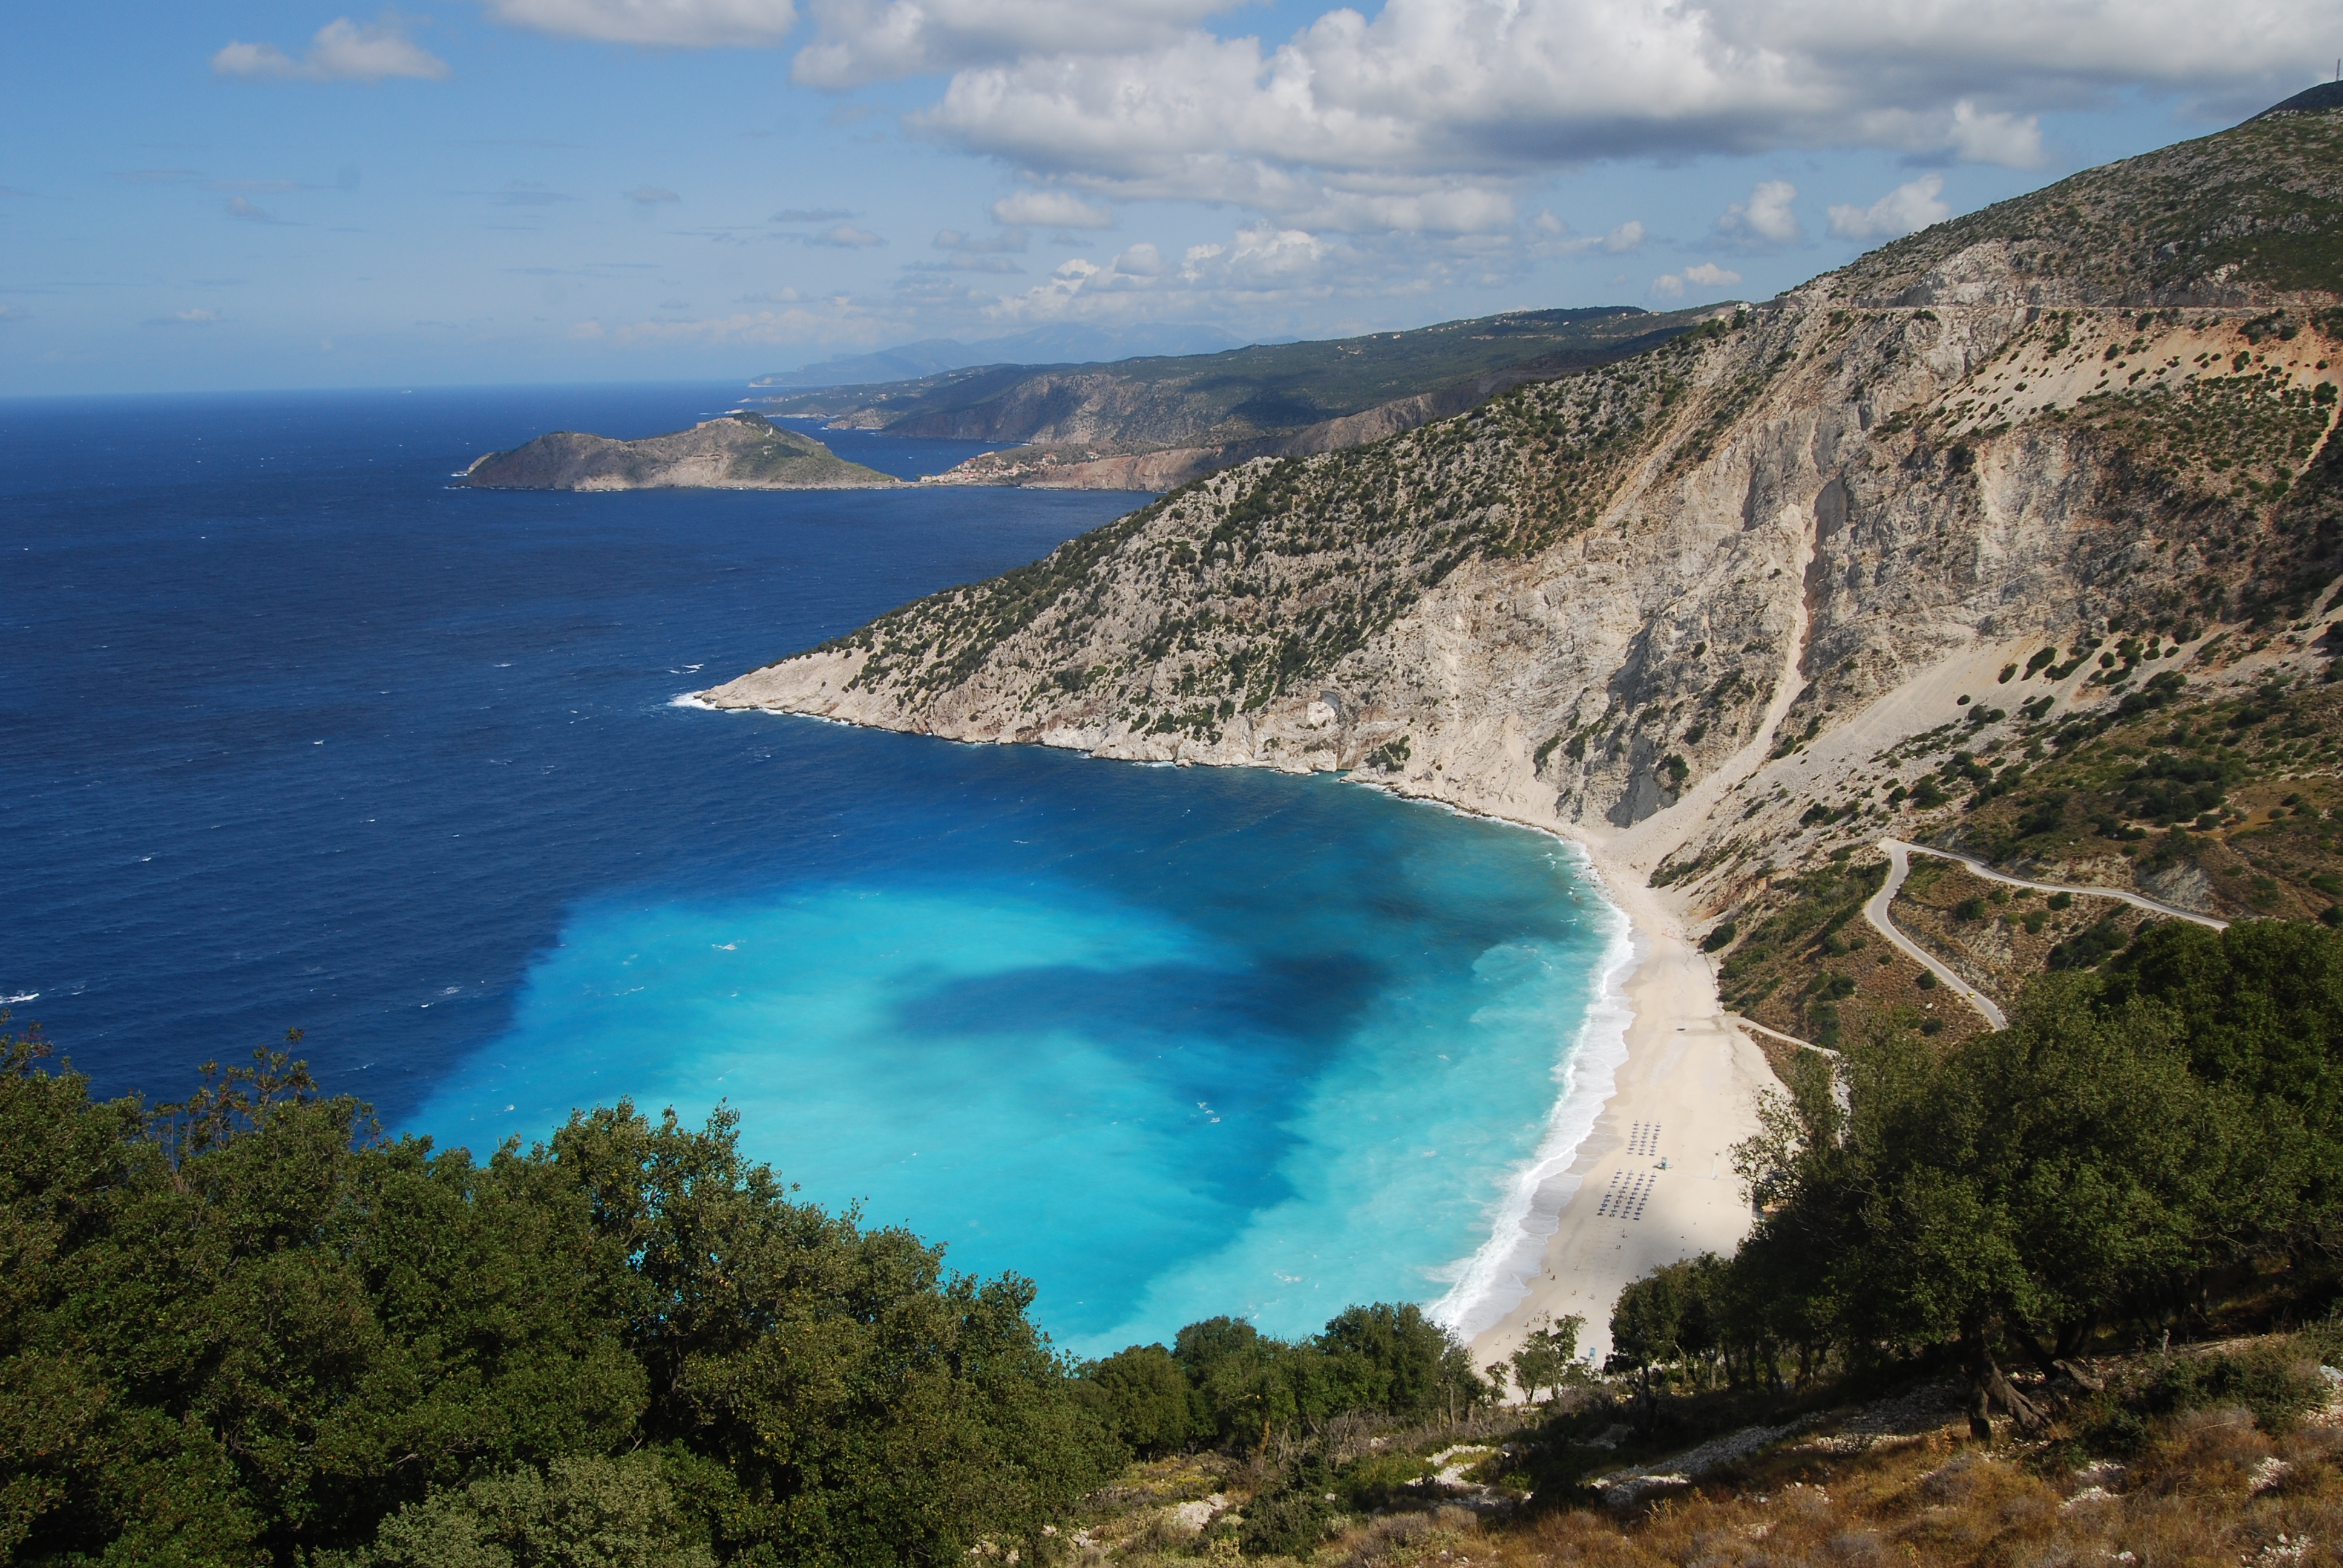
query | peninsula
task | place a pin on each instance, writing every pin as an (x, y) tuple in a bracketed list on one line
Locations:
[(2017, 537), (738, 451)]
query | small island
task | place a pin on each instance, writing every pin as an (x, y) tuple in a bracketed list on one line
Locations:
[(738, 451)]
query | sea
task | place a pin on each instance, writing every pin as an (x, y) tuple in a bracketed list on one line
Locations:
[(300, 736)]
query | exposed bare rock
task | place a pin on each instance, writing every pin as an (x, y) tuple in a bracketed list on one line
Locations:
[(1673, 602)]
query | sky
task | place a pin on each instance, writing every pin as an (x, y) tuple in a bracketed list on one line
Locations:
[(280, 193)]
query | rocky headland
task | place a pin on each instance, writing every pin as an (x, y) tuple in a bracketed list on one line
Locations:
[(2015, 535), (737, 451)]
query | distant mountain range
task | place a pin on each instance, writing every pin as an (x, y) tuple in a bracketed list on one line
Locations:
[(1060, 344), (1153, 423)]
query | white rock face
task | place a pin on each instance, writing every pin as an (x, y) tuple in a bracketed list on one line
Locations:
[(1823, 514)]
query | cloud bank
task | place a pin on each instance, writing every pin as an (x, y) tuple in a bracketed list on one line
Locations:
[(342, 51)]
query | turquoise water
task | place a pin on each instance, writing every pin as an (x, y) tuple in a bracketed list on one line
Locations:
[(1173, 1043), (1169, 1042)]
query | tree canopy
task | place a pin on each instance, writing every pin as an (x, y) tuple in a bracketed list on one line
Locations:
[(250, 1329), (2133, 1137)]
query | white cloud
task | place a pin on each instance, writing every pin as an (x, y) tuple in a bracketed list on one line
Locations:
[(1050, 209), (1995, 138), (675, 23), (649, 196), (195, 317), (1707, 278), (859, 41), (811, 215), (342, 51), (1765, 215), (15, 313), (239, 207), (1142, 260), (845, 236), (1623, 240), (1909, 207), (1439, 97)]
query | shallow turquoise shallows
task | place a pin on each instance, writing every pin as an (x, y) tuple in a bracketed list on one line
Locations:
[(1170, 1042)]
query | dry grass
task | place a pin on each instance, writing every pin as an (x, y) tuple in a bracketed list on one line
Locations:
[(2205, 1493), (1896, 1481)]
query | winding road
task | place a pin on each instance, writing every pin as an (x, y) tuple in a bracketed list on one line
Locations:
[(1899, 866)]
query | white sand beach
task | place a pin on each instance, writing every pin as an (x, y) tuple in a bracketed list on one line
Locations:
[(1652, 1181)]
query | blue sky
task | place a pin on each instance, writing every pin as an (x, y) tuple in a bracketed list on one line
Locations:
[(270, 194)]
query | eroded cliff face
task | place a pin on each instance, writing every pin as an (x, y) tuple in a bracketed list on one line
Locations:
[(1627, 601)]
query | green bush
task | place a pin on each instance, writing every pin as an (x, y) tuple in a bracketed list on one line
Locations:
[(609, 1514), (2272, 1381), (1289, 1517)]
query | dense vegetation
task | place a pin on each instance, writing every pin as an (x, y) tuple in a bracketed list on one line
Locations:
[(248, 1329), (2143, 1142)]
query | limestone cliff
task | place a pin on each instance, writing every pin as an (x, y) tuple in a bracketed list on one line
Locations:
[(1680, 602), (735, 452)]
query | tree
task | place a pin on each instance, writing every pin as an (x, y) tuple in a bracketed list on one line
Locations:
[(1141, 1395), (1548, 1358), (247, 1328)]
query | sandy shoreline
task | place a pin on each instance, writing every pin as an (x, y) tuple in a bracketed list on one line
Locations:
[(1678, 1094), (1660, 1148)]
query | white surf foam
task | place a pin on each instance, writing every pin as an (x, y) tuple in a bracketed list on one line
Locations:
[(689, 699), (1494, 1279)]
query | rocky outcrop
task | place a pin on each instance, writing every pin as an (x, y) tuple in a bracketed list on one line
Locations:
[(1673, 601), (735, 452)]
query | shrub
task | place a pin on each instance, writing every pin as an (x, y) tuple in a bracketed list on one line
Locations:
[(1722, 936), (1291, 1516), (2271, 1381)]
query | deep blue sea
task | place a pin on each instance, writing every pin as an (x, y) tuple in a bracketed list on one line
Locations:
[(298, 735)]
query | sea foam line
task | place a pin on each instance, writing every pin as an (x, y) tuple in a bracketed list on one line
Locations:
[(1497, 1276)]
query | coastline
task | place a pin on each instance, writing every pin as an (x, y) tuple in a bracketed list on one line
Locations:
[(1684, 1091), (1681, 1085), (1680, 1067)]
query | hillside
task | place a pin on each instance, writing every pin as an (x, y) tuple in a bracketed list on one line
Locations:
[(735, 452), (1064, 343), (2010, 535), (1156, 423)]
